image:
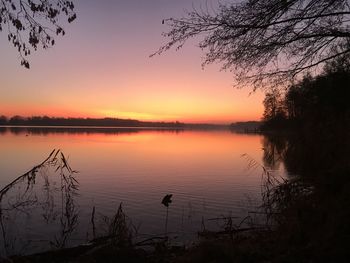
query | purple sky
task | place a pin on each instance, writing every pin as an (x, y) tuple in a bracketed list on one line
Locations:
[(101, 67)]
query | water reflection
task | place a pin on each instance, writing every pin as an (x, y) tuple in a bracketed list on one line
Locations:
[(274, 148), (42, 196), (203, 170), (308, 154)]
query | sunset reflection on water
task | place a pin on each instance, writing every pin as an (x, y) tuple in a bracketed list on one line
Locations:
[(204, 170)]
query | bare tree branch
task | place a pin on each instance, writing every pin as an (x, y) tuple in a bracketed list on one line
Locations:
[(32, 23), (267, 43)]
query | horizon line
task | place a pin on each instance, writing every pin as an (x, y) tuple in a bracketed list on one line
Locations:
[(27, 118)]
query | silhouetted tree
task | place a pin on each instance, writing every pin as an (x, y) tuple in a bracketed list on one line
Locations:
[(267, 42), (274, 114), (3, 120), (274, 107), (321, 101), (298, 99), (16, 120), (32, 23)]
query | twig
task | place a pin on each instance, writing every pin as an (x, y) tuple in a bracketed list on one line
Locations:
[(33, 170)]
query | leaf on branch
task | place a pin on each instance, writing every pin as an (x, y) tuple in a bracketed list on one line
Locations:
[(32, 22)]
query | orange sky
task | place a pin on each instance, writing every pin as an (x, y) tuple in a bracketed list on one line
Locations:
[(102, 68)]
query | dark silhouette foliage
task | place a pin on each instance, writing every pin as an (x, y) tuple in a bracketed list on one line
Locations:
[(3, 120), (313, 222), (31, 23), (266, 43), (274, 108), (321, 101), (88, 122)]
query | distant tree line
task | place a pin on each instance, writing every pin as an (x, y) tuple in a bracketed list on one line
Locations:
[(99, 122), (90, 122), (246, 126), (322, 101)]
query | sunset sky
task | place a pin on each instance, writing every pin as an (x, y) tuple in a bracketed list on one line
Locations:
[(102, 68)]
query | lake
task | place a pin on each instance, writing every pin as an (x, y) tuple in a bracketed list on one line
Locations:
[(203, 170)]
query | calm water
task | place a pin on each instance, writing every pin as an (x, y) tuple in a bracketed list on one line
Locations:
[(203, 170)]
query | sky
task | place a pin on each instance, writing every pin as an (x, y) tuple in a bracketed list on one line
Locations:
[(102, 68)]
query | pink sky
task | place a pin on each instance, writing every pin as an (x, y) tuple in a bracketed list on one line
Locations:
[(101, 68)]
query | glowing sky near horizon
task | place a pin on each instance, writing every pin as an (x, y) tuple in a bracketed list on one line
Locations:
[(102, 68)]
